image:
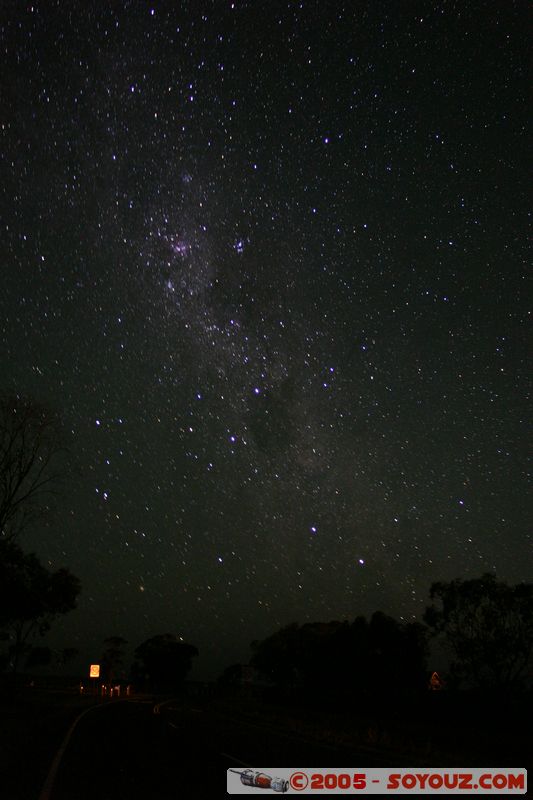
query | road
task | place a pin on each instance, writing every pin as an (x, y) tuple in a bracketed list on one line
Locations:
[(125, 751)]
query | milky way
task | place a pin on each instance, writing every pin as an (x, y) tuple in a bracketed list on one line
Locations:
[(268, 263)]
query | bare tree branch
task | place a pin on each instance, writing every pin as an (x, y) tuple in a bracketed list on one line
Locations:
[(30, 463)]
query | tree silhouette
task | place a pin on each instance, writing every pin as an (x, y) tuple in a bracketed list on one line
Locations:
[(66, 655), (277, 656), (377, 656), (164, 660), (113, 657), (30, 598), (38, 657), (489, 627), (29, 462)]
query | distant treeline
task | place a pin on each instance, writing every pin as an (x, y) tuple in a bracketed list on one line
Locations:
[(486, 626)]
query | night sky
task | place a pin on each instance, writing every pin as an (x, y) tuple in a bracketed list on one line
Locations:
[(268, 262)]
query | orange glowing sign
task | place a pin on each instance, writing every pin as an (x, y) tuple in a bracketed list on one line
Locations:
[(94, 671)]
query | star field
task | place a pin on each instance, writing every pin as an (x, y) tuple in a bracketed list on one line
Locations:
[(268, 261)]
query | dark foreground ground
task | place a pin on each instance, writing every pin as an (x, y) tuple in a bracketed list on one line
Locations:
[(122, 750)]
